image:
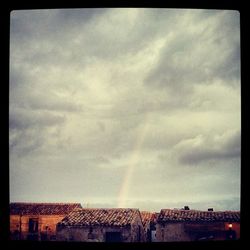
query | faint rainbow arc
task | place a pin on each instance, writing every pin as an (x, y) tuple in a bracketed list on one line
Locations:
[(123, 193)]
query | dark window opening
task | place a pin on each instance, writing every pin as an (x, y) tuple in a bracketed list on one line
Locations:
[(90, 234), (230, 234), (149, 238), (44, 236), (113, 237), (33, 225), (139, 234), (32, 236), (209, 235)]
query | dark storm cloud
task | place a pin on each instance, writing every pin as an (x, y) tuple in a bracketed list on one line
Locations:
[(28, 129), (37, 23), (45, 36), (183, 62), (23, 119), (94, 92), (44, 101), (205, 155), (24, 142), (83, 28), (17, 78), (74, 16), (217, 205), (222, 149), (47, 102)]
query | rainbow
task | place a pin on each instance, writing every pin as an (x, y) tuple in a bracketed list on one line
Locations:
[(135, 157)]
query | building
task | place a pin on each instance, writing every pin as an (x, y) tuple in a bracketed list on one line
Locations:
[(102, 225), (37, 221), (191, 225), (148, 224), (153, 226)]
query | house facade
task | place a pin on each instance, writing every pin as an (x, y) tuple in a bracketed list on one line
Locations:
[(193, 225), (153, 226), (148, 222), (37, 221), (101, 225)]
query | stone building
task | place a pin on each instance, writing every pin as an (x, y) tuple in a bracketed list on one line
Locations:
[(153, 226), (102, 225), (37, 221), (148, 219), (192, 225)]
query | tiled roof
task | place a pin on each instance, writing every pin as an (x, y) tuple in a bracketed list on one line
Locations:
[(96, 216), (42, 208), (155, 216), (173, 215), (146, 217)]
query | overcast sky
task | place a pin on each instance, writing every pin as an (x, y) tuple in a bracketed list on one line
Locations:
[(126, 107)]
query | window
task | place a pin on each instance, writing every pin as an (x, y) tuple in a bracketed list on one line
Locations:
[(113, 237), (33, 225), (139, 234), (230, 234), (90, 234)]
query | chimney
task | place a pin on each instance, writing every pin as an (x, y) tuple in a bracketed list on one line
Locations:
[(186, 208), (210, 209)]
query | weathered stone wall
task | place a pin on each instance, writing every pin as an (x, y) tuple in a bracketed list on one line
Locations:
[(14, 222), (98, 233), (191, 232), (235, 227), (171, 232), (46, 225), (147, 233), (137, 230), (133, 233), (153, 236)]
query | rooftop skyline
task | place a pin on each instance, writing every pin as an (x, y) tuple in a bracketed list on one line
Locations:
[(129, 107)]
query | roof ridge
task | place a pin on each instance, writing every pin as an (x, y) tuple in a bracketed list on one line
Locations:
[(197, 210), (197, 215), (96, 208), (42, 208), (44, 203), (98, 216)]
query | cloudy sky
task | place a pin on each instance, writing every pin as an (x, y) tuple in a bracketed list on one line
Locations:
[(125, 107)]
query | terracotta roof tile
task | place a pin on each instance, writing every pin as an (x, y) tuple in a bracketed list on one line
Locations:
[(96, 216), (173, 215), (146, 217), (42, 208)]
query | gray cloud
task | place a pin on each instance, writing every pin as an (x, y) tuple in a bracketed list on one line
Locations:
[(217, 205), (26, 142), (35, 24), (196, 150), (46, 102), (95, 92), (23, 119), (183, 62), (28, 129)]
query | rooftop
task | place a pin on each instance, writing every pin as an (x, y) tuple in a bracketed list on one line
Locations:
[(96, 216), (146, 217), (173, 215), (26, 208)]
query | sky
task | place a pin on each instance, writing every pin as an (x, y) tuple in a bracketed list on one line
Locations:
[(137, 108)]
